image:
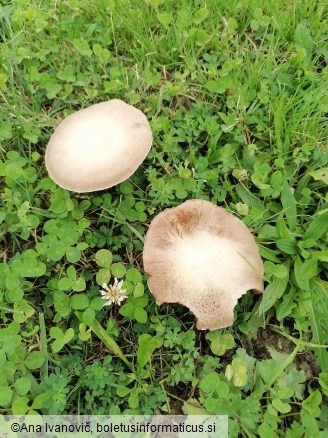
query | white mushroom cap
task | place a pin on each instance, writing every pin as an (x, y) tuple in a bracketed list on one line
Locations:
[(98, 147), (204, 258)]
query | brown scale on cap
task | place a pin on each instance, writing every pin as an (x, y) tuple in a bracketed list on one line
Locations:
[(204, 258), (98, 147)]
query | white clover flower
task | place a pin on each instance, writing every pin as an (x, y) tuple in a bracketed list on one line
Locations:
[(113, 294)]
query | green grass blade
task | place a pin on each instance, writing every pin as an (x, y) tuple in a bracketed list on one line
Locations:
[(317, 226), (289, 204), (284, 365), (106, 339), (272, 293), (44, 349)]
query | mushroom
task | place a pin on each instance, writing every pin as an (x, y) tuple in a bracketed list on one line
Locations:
[(201, 256), (98, 147)]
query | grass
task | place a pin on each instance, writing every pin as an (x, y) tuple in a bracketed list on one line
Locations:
[(235, 93)]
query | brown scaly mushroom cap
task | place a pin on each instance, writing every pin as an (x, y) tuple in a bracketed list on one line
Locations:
[(204, 258), (98, 147)]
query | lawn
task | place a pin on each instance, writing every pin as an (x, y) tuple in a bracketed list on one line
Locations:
[(236, 96)]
